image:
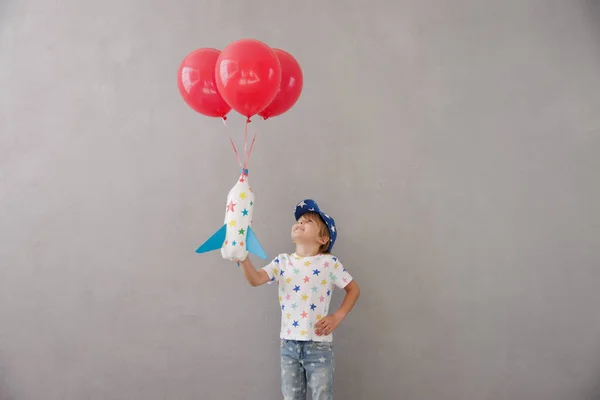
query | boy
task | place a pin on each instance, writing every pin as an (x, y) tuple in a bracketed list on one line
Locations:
[(306, 279)]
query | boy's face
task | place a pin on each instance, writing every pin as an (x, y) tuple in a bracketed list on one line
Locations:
[(307, 230)]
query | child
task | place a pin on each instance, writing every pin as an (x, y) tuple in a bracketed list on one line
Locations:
[(306, 279)]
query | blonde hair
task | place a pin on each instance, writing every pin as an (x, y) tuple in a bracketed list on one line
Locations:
[(322, 228)]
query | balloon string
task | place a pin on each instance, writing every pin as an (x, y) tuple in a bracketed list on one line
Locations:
[(250, 151), (236, 153), (246, 140), (247, 152), (233, 145)]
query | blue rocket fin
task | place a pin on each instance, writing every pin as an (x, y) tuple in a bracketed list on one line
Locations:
[(215, 241), (253, 246)]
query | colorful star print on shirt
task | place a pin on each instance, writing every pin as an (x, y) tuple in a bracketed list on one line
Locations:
[(305, 288)]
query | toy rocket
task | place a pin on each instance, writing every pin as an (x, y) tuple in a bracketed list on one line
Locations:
[(236, 238)]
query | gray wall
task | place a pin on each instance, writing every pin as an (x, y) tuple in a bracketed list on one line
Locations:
[(467, 138)]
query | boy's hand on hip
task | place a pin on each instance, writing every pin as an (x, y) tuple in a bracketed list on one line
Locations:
[(327, 325)]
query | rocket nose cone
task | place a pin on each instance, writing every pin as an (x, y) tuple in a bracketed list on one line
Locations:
[(243, 176)]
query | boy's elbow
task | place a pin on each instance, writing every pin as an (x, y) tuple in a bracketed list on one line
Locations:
[(256, 282)]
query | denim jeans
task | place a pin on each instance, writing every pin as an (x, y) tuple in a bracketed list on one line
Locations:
[(306, 362)]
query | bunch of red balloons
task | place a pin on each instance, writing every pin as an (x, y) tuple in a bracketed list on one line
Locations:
[(247, 76)]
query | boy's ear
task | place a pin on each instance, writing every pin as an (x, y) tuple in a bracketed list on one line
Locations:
[(323, 240)]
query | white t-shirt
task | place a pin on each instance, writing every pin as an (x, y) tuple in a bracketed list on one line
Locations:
[(305, 288)]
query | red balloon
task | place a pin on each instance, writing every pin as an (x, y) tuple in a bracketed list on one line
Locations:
[(248, 75), (290, 87), (196, 82)]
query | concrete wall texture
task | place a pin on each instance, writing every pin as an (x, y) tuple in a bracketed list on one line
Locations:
[(457, 144)]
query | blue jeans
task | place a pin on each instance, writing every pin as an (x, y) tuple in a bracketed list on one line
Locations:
[(305, 362)]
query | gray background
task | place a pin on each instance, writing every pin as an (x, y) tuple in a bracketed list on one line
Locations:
[(455, 142)]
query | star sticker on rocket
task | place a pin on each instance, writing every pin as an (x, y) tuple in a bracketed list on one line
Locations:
[(231, 206)]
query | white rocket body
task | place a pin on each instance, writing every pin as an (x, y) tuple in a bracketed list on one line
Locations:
[(236, 238)]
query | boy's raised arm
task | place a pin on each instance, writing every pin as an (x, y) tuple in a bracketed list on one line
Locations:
[(255, 277)]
